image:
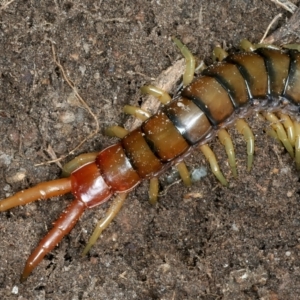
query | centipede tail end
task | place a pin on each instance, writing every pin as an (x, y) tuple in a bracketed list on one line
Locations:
[(62, 226)]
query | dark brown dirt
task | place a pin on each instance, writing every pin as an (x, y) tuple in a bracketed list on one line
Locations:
[(241, 242)]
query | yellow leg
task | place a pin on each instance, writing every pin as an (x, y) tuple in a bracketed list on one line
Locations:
[(292, 46), (113, 210), (210, 156), (137, 112), (116, 131), (226, 141), (190, 62), (247, 45), (153, 190), (246, 131), (160, 94), (289, 127), (77, 162), (219, 54), (184, 173), (80, 160), (269, 46), (297, 144), (277, 126), (272, 133)]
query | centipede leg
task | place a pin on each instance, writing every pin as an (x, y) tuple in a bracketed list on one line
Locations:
[(77, 162), (297, 144), (246, 131), (113, 210), (272, 133), (184, 173), (41, 191), (210, 156), (158, 93), (190, 62), (219, 54), (289, 127), (275, 123), (247, 45), (292, 47), (120, 132), (116, 131), (136, 112), (62, 226), (226, 141), (153, 190), (82, 159)]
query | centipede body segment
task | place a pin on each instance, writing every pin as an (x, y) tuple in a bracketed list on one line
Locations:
[(262, 80)]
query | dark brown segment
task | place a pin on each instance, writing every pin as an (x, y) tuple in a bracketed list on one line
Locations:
[(140, 155), (292, 90), (231, 79), (116, 169), (191, 122), (207, 93), (163, 137), (253, 69), (277, 63)]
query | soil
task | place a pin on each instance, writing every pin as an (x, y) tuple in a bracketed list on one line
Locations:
[(203, 242)]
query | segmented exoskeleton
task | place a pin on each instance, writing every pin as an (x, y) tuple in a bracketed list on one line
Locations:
[(264, 79)]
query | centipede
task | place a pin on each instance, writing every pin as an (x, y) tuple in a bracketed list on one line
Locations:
[(258, 78)]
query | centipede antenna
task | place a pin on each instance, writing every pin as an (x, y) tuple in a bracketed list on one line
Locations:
[(113, 210), (210, 156), (226, 141)]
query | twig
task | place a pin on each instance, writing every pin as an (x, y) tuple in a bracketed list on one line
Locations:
[(5, 5), (269, 27), (291, 27), (287, 5)]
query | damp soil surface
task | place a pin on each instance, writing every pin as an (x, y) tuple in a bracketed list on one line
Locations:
[(203, 242)]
